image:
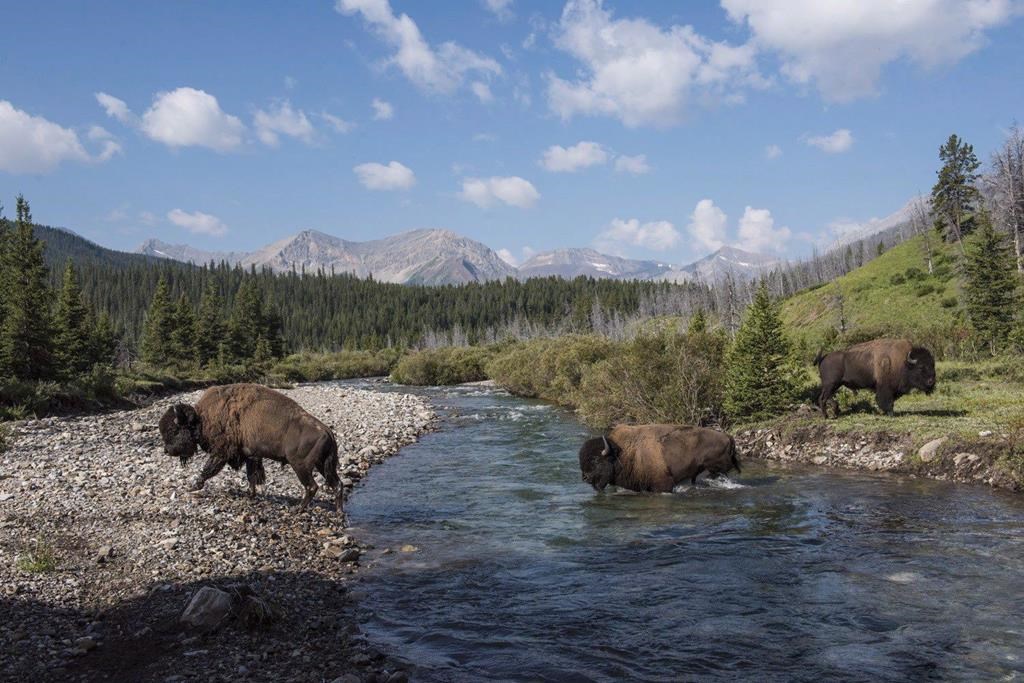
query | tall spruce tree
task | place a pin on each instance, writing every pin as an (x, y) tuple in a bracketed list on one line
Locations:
[(698, 323), (183, 336), (156, 347), (759, 375), (73, 326), (247, 324), (26, 339), (209, 326), (104, 340), (4, 236), (954, 196), (990, 287)]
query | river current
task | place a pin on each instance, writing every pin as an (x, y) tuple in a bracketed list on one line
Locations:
[(494, 561)]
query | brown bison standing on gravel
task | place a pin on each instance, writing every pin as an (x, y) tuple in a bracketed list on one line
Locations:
[(242, 424), (656, 457), (892, 367)]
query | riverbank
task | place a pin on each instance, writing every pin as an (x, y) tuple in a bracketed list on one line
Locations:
[(102, 546)]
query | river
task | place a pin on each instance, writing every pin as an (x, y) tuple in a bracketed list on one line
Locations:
[(514, 569)]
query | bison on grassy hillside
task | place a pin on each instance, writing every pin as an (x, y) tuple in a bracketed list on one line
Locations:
[(245, 423), (655, 457), (890, 367)]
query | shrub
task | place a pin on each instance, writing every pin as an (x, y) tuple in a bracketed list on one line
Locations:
[(38, 560), (551, 369), (950, 302), (924, 289), (319, 367), (897, 279), (914, 273), (443, 366)]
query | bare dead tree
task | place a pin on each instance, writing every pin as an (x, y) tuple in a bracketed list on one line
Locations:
[(1007, 185), (919, 221)]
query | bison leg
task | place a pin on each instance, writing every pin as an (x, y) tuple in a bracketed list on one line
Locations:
[(885, 400), (305, 476), (255, 474), (825, 399), (329, 470), (214, 464)]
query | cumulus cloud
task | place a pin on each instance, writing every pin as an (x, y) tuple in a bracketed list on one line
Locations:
[(33, 144), (339, 124), (758, 232), (198, 222), (637, 165), (641, 73), (511, 190), (280, 119), (500, 8), (840, 47), (656, 235), (394, 176), (116, 109), (708, 224), (440, 69), (482, 92), (569, 160), (187, 117), (772, 152), (382, 111), (836, 143)]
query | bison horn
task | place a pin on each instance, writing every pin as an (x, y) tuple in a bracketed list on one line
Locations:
[(607, 448), (911, 360), (179, 414)]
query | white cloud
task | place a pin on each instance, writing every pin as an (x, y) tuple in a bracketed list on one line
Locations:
[(508, 257), (116, 109), (441, 69), (637, 165), (836, 143), (339, 124), (198, 222), (526, 253), (758, 232), (642, 73), (511, 190), (841, 46), (772, 152), (187, 117), (394, 176), (708, 224), (280, 119), (33, 144), (569, 160), (656, 235), (482, 92), (500, 8), (484, 137), (382, 111)]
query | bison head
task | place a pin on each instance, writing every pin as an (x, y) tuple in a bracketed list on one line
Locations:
[(921, 369), (179, 428), (597, 462)]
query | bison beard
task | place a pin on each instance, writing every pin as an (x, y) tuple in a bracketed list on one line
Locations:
[(891, 367), (241, 424)]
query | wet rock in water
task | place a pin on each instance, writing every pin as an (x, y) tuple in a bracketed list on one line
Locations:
[(208, 608), (928, 451)]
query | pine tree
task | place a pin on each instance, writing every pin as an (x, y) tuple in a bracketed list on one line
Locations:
[(156, 348), (104, 341), (698, 323), (246, 325), (73, 328), (990, 289), (26, 341), (183, 336), (4, 236), (954, 196), (759, 375), (209, 326)]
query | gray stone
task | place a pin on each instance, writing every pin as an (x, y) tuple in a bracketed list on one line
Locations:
[(105, 553), (207, 608), (985, 433), (928, 451)]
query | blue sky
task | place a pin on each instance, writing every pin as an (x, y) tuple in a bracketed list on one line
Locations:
[(648, 129)]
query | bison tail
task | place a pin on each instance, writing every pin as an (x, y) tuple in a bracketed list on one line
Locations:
[(820, 357), (733, 456), (331, 464)]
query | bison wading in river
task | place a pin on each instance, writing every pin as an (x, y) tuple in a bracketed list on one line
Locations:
[(656, 457), (243, 424), (891, 367)]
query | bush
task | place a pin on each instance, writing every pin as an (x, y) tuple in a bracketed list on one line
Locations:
[(913, 273), (950, 302), (675, 378), (925, 289), (443, 366), (319, 367), (897, 279), (551, 369)]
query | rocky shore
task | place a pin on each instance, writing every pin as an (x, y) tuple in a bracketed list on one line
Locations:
[(983, 459), (102, 547)]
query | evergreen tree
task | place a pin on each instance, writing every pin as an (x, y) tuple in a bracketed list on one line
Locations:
[(698, 323), (156, 347), (209, 326), (4, 234), (26, 340), (183, 336), (990, 289), (73, 326), (759, 375), (104, 341), (246, 325), (954, 195)]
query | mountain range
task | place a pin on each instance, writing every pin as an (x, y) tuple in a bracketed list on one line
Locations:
[(435, 257)]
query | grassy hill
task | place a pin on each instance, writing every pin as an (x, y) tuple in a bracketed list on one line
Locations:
[(893, 295)]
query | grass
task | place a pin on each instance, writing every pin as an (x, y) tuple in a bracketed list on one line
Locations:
[(39, 560), (892, 295)]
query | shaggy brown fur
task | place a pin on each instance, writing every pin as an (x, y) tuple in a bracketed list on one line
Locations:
[(245, 423), (891, 367), (656, 457)]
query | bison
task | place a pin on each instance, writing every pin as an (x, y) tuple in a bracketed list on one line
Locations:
[(655, 457), (243, 424), (892, 367)]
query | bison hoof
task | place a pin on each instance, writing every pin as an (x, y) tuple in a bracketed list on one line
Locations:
[(197, 485)]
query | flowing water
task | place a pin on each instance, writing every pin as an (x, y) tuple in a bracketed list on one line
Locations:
[(520, 571)]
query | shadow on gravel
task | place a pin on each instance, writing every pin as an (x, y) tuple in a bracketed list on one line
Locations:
[(314, 636)]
